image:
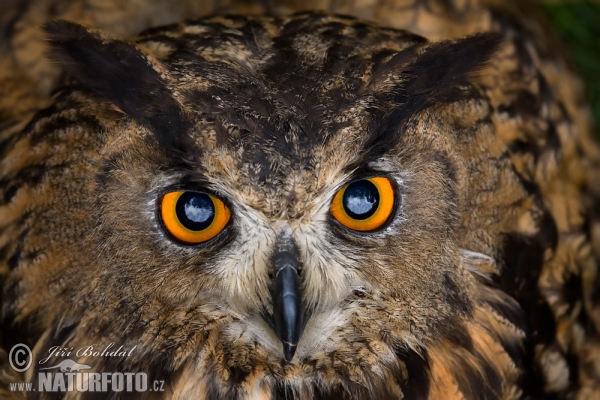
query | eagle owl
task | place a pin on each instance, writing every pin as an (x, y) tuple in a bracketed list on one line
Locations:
[(383, 199)]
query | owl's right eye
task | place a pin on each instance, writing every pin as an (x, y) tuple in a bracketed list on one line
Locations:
[(193, 217)]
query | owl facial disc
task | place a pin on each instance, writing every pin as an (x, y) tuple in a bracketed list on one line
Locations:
[(288, 311)]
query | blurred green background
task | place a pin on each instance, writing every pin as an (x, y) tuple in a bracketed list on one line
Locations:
[(578, 23)]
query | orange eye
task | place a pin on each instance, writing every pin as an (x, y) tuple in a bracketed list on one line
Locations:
[(364, 205), (193, 217)]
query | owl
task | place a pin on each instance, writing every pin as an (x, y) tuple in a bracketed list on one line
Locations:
[(381, 199)]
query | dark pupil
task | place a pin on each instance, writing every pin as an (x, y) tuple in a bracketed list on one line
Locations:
[(195, 211), (361, 199)]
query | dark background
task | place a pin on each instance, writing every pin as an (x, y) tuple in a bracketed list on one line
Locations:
[(578, 23)]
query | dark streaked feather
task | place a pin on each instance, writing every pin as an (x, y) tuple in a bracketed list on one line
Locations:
[(122, 74)]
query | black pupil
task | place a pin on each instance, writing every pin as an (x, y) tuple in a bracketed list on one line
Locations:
[(195, 211), (361, 199)]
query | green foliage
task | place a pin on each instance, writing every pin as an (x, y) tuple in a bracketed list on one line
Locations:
[(578, 23)]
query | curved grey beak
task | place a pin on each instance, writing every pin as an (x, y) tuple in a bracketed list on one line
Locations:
[(288, 311)]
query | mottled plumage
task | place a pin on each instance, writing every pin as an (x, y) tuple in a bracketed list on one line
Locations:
[(483, 285)]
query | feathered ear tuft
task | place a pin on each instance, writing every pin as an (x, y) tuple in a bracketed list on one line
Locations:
[(430, 74), (121, 73), (440, 72)]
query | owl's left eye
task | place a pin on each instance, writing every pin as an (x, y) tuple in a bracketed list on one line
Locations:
[(364, 205), (193, 217)]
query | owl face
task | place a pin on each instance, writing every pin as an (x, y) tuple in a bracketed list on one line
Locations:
[(273, 201)]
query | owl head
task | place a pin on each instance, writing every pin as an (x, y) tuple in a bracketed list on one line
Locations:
[(260, 206)]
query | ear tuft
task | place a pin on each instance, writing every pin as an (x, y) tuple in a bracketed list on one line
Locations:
[(432, 74), (444, 68), (121, 73)]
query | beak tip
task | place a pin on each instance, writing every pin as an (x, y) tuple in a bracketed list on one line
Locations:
[(288, 351)]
